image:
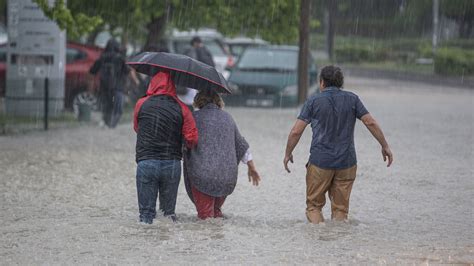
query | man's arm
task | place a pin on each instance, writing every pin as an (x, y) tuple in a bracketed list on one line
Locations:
[(376, 131), (293, 139), (96, 66)]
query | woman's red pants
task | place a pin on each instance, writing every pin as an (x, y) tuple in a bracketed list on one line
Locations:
[(207, 206)]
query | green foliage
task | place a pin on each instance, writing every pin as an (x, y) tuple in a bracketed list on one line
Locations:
[(458, 9), (454, 61), (75, 25), (401, 50), (425, 50), (459, 43), (378, 18), (358, 53), (274, 20), (463, 12)]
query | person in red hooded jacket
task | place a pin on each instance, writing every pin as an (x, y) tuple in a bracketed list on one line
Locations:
[(163, 124)]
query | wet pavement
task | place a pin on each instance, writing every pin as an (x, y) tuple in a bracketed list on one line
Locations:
[(68, 196)]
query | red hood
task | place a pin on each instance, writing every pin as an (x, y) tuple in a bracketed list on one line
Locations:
[(161, 84)]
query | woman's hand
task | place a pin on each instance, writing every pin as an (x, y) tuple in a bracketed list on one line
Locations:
[(253, 175)]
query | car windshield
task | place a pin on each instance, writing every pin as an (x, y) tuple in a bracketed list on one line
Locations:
[(268, 59)]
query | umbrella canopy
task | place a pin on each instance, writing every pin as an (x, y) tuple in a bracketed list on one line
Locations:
[(185, 70)]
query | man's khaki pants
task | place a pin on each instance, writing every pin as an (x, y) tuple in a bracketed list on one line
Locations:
[(337, 182)]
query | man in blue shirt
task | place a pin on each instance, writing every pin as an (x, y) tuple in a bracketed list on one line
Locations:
[(332, 163)]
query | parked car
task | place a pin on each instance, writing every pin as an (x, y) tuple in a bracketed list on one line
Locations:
[(238, 44), (267, 77), (79, 84), (3, 34), (180, 41)]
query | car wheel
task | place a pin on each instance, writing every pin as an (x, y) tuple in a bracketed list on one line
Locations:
[(84, 97)]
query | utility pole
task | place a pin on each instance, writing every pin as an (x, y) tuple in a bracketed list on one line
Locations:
[(435, 24), (303, 54)]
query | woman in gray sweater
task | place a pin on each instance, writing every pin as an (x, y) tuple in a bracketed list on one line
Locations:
[(210, 169)]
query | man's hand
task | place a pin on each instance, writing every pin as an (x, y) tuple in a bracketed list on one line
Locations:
[(293, 139), (387, 154), (288, 158), (376, 131)]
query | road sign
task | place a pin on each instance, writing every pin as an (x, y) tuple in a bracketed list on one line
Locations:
[(36, 50)]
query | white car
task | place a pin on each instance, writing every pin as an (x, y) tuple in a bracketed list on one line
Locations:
[(180, 41), (238, 44)]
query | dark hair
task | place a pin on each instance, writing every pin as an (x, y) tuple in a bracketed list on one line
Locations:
[(112, 46), (196, 39), (332, 76)]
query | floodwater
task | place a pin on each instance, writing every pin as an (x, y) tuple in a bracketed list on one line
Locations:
[(68, 196)]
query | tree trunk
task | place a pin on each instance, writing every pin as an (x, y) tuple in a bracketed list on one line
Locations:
[(156, 29), (469, 29), (434, 41), (330, 29), (462, 26), (465, 28), (303, 54), (3, 15)]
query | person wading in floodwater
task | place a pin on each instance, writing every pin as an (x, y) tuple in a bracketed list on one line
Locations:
[(112, 71), (332, 164), (163, 124)]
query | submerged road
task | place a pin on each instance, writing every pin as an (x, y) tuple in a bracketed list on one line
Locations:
[(68, 196)]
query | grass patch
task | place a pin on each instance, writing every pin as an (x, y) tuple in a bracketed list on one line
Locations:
[(10, 124), (6, 119), (396, 67), (318, 42)]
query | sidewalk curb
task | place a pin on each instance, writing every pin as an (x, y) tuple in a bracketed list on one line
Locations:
[(409, 76)]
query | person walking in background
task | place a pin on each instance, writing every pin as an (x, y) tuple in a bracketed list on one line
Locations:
[(112, 72), (210, 170), (332, 163), (199, 52), (161, 122)]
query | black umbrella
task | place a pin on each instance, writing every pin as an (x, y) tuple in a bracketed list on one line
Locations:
[(185, 71)]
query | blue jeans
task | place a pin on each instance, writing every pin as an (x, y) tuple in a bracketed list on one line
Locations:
[(153, 177)]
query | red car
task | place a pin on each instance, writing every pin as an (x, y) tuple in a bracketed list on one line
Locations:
[(79, 59), (79, 83)]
